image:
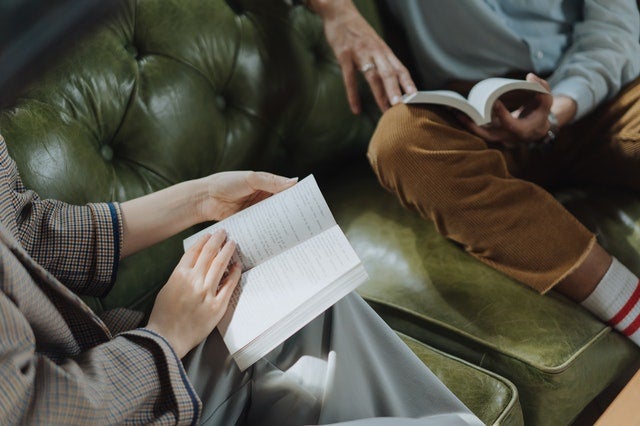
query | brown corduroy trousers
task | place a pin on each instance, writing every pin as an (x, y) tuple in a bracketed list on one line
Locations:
[(492, 200)]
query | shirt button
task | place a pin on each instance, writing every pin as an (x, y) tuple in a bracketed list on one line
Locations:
[(539, 54)]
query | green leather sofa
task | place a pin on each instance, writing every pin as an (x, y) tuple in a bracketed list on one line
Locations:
[(175, 89)]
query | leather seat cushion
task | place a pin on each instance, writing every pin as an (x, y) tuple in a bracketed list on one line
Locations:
[(557, 354), (489, 396)]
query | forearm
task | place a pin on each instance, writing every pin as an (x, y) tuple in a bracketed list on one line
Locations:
[(154, 217), (77, 244)]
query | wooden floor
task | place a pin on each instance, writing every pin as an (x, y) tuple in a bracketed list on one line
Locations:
[(617, 405), (625, 408)]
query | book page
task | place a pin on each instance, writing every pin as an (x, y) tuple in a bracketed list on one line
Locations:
[(480, 101), (269, 292), (483, 95), (301, 316), (446, 98), (275, 224)]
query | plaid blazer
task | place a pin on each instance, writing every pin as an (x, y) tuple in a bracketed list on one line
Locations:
[(59, 362)]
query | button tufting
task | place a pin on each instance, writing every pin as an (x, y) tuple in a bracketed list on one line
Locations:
[(133, 51), (106, 152), (221, 102)]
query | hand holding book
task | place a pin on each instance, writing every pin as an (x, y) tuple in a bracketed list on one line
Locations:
[(484, 112), (197, 293), (296, 264), (479, 104)]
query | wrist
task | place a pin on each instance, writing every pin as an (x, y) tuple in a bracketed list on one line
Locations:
[(186, 203), (549, 138), (554, 126), (173, 343), (564, 108), (562, 111), (198, 194)]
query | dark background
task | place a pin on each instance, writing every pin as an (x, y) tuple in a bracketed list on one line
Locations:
[(33, 33)]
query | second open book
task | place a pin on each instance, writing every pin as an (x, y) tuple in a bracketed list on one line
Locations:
[(479, 102), (296, 262)]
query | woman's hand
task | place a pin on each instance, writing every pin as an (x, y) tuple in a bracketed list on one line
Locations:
[(159, 215), (527, 124), (195, 298), (229, 192), (358, 48)]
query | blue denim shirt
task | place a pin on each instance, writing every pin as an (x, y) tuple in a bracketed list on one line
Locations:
[(589, 48)]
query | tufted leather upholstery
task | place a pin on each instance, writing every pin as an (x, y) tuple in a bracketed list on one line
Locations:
[(175, 89), (172, 90)]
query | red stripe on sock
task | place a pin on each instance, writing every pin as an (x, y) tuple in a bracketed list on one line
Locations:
[(626, 308), (632, 328)]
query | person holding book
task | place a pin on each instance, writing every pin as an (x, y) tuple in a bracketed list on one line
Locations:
[(60, 363), (484, 186)]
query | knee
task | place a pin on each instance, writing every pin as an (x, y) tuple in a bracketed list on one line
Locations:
[(406, 136), (390, 133), (404, 128)]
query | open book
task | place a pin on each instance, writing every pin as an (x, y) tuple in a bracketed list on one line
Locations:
[(479, 103), (296, 262)]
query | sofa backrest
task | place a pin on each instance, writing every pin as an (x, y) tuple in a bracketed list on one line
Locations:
[(172, 90)]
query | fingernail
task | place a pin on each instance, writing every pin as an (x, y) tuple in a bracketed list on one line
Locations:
[(395, 100), (411, 89), (293, 179)]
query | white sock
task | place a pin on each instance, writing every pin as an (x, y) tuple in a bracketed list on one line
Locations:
[(616, 300)]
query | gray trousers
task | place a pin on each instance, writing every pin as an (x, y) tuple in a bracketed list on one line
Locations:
[(346, 366)]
